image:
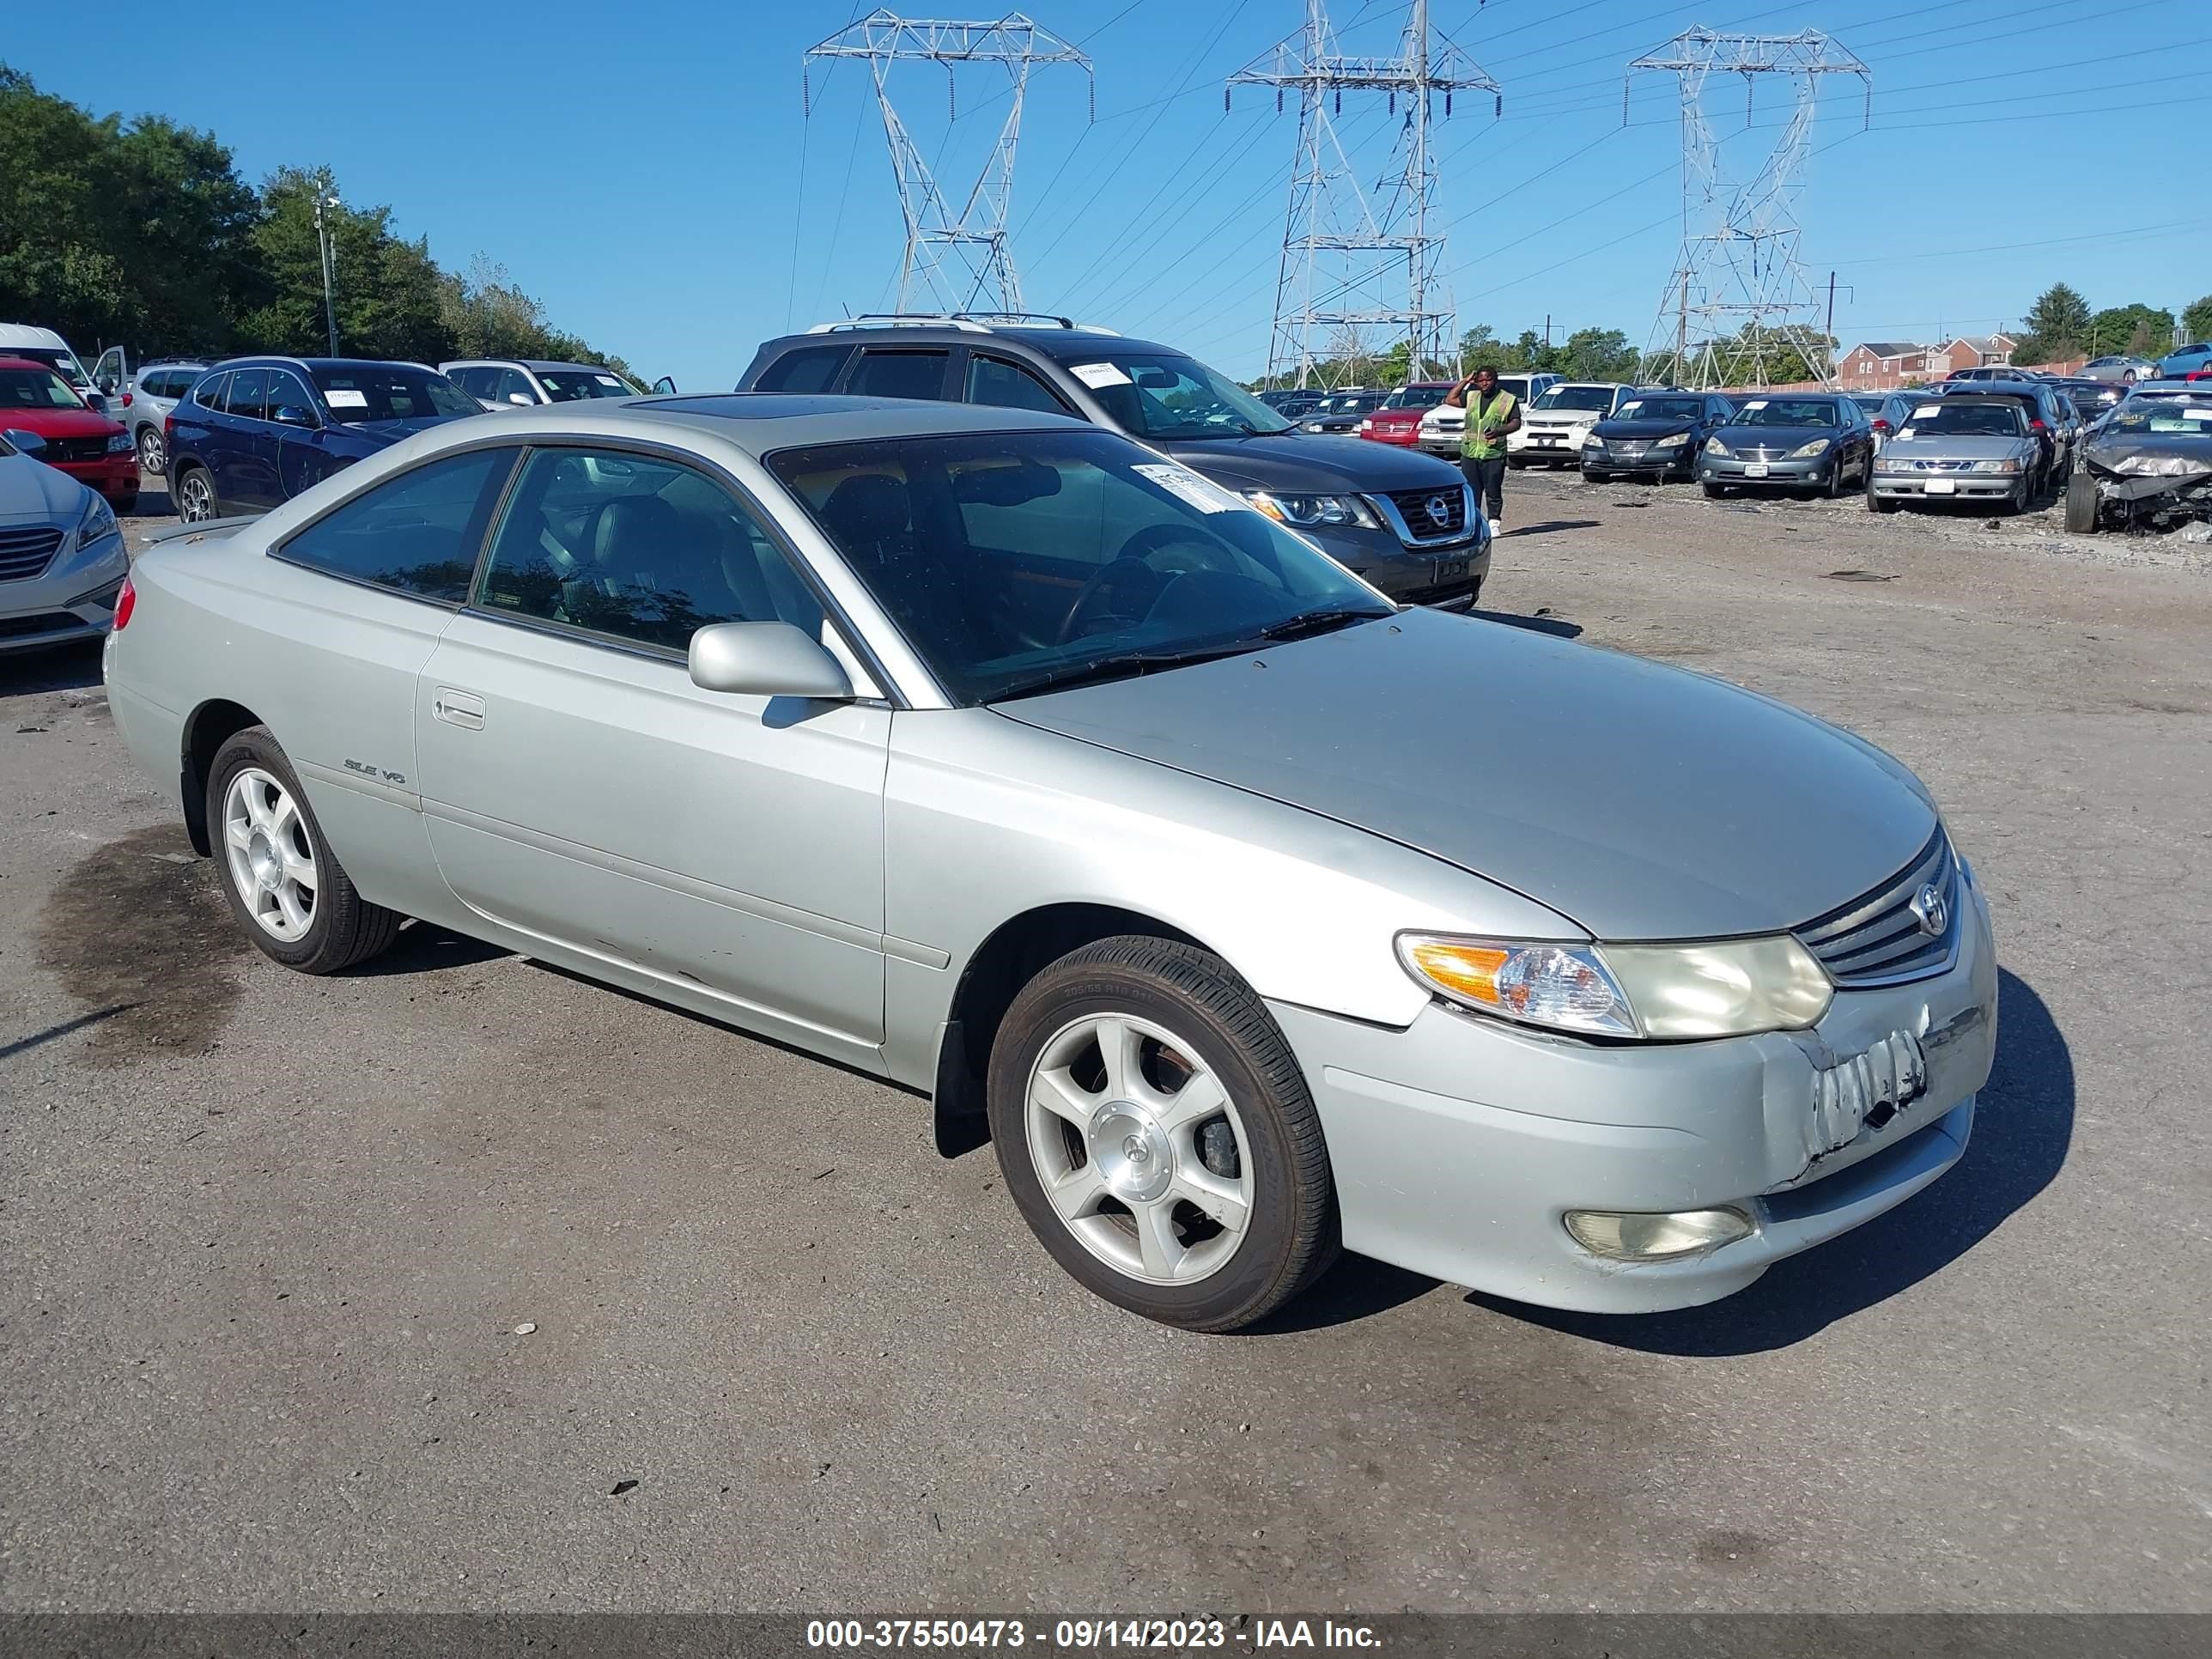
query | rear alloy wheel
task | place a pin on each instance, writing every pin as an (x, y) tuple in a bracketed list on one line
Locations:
[(2082, 505), (282, 880), (195, 500), (152, 456), (1157, 1136)]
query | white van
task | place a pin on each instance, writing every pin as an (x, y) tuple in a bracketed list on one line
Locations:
[(43, 345)]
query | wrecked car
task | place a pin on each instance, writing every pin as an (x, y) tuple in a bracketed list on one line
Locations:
[(2149, 463)]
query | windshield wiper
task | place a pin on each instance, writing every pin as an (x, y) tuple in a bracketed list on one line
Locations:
[(1122, 665), (1316, 622)]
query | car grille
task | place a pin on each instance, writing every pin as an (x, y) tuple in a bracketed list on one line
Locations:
[(1412, 505), (1877, 939), (53, 621), (75, 449), (25, 553)]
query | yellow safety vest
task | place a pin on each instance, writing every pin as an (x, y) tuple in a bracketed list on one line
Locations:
[(1476, 442)]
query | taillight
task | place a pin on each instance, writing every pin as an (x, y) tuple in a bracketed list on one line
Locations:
[(126, 601), (169, 425), (1880, 425), (2038, 425), (126, 400)]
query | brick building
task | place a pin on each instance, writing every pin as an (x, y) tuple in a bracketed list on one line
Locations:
[(1882, 366)]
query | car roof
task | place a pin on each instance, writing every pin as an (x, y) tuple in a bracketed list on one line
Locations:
[(533, 364), (24, 363), (760, 421), (1076, 343), (265, 359), (30, 334)]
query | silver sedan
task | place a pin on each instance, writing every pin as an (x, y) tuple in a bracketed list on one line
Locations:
[(61, 559), (994, 754), (1957, 448)]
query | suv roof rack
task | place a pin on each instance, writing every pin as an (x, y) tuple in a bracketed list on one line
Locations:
[(968, 322)]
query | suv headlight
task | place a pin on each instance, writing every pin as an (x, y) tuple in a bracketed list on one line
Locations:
[(1306, 511), (1715, 446), (1807, 451), (120, 443), (1724, 988), (98, 521)]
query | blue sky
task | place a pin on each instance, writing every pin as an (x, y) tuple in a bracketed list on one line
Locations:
[(646, 169)]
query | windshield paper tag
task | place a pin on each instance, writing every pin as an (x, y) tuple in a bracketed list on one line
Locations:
[(1186, 485), (606, 380), (1756, 403), (1923, 411), (343, 397), (1095, 375)]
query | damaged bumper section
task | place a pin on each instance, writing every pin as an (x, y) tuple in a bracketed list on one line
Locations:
[(1640, 1177)]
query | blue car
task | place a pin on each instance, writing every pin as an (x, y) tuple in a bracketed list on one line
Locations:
[(255, 432), (2185, 360)]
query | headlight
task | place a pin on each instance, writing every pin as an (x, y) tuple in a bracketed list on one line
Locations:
[(1807, 451), (1997, 466), (1672, 440), (98, 521), (1309, 510), (1890, 464), (1727, 987), (120, 444), (1715, 446), (1314, 426), (1593, 442)]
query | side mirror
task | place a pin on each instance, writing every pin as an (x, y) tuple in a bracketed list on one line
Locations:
[(30, 442), (521, 399), (665, 383), (293, 415), (766, 659), (96, 402)]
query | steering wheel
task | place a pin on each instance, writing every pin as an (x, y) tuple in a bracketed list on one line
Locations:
[(1123, 567)]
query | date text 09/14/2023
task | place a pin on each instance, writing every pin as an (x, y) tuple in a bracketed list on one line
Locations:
[(1083, 1635)]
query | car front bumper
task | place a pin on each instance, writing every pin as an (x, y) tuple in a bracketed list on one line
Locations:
[(72, 599), (115, 476), (1562, 446), (1445, 574), (1736, 469), (1474, 1190), (1643, 458), (1964, 486)]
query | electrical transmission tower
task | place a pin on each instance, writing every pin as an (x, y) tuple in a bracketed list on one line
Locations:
[(937, 236), (1335, 231), (1739, 299)]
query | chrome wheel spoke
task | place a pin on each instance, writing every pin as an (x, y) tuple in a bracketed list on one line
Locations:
[(1120, 1047), (1200, 1098), (1056, 1092), (1221, 1197), (287, 900), (299, 872), (237, 832), (1076, 1194), (1157, 1247)]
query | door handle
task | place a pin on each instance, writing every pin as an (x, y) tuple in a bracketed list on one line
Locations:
[(463, 708)]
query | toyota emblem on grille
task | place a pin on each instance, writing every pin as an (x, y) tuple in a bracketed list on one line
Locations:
[(1930, 910), (1439, 510)]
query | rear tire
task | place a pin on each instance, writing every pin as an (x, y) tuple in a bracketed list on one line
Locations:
[(152, 456), (284, 884), (196, 500), (1109, 1160), (2082, 505)]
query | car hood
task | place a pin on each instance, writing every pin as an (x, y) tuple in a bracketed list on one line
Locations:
[(1311, 462), (30, 490), (60, 423), (1639, 800), (2109, 449), (1956, 447), (1642, 429), (1781, 439)]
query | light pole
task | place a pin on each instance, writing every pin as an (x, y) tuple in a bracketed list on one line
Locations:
[(324, 197)]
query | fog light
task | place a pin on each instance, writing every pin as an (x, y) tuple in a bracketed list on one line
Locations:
[(1656, 1237)]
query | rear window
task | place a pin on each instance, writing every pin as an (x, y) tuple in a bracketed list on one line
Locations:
[(1598, 397), (898, 374), (396, 393), (810, 368)]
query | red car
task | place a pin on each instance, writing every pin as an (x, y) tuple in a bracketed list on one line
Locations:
[(89, 447), (1399, 419)]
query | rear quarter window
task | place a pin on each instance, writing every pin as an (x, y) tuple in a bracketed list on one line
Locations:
[(809, 368)]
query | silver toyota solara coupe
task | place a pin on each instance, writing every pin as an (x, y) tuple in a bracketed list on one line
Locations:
[(1000, 756)]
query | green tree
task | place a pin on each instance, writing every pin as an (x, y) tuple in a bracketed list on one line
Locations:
[(2139, 330), (2196, 320), (2057, 325), (388, 290)]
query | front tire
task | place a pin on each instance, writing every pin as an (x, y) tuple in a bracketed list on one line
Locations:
[(2082, 505), (1157, 1136), (152, 456), (1714, 491), (284, 884)]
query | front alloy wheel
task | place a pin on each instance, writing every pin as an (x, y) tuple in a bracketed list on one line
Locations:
[(196, 497)]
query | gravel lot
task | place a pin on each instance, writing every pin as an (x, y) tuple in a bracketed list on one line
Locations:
[(268, 1240)]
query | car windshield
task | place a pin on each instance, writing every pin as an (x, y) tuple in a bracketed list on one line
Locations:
[(2164, 415), (64, 362), (1156, 395), (390, 392), (1967, 419), (1661, 408), (1416, 396), (1598, 397), (565, 386), (1787, 412), (36, 388), (1016, 563)]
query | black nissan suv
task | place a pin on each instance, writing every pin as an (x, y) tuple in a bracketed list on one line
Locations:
[(1405, 521)]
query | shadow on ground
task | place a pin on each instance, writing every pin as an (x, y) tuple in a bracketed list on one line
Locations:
[(2021, 1133), (61, 668)]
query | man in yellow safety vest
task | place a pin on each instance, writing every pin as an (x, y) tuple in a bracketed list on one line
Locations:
[(1492, 416)]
